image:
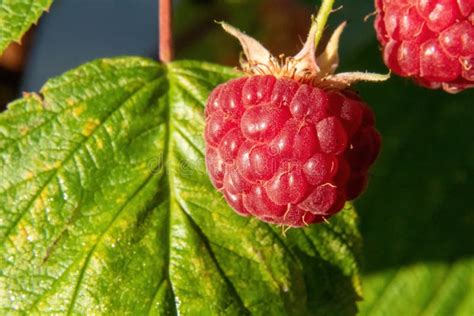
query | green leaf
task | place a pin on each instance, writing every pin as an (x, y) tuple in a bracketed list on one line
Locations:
[(105, 206), (421, 289), (17, 16)]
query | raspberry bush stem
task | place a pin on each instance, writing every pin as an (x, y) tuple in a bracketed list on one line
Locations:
[(321, 19), (165, 31)]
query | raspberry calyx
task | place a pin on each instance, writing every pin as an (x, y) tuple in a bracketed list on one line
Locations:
[(303, 67)]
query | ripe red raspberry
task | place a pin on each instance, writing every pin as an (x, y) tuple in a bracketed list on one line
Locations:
[(288, 143), (286, 152), (431, 41)]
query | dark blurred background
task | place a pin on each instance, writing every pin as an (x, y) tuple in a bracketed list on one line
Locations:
[(417, 211)]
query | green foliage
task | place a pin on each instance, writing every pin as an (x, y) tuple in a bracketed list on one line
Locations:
[(17, 16), (106, 207)]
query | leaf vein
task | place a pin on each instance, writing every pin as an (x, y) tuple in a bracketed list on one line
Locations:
[(71, 155), (99, 240)]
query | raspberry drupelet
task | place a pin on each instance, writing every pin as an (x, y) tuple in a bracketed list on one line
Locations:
[(288, 143), (431, 41), (277, 148)]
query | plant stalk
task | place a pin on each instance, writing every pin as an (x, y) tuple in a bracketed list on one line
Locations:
[(321, 19), (166, 51)]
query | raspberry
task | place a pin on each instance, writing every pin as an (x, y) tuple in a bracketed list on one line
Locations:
[(289, 143), (431, 41), (288, 152)]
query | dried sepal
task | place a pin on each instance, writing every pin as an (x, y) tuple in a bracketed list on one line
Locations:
[(329, 58), (256, 54), (305, 63), (346, 79)]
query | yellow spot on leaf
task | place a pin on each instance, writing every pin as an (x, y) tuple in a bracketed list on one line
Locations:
[(90, 126), (29, 175), (24, 130), (48, 166), (119, 200), (44, 194), (100, 143), (19, 239), (39, 203), (32, 96), (77, 111)]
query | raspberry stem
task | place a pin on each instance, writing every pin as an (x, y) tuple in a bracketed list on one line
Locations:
[(165, 31), (321, 19)]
